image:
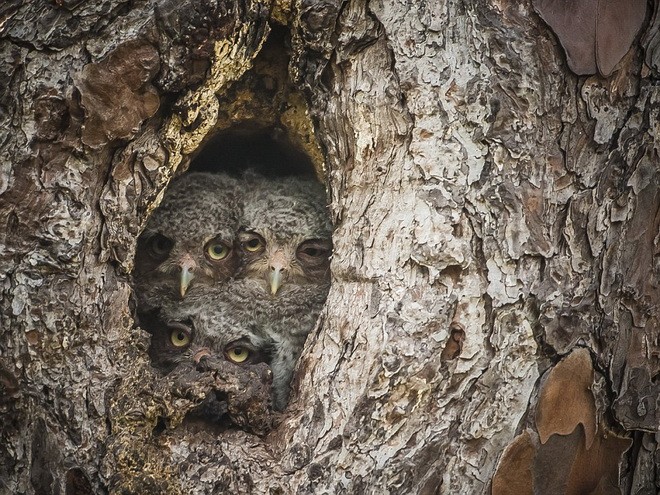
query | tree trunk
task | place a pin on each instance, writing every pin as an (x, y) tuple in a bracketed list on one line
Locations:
[(493, 318)]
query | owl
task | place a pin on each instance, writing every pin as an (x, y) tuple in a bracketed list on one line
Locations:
[(285, 245), (200, 334), (189, 240), (203, 326)]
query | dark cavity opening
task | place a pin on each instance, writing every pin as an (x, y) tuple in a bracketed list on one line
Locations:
[(266, 150), (77, 482), (262, 121)]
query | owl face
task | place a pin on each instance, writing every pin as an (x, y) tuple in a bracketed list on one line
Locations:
[(176, 342), (193, 333), (176, 261), (285, 237), (189, 239), (280, 262)]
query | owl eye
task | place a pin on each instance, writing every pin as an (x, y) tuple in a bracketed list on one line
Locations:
[(238, 354), (254, 244), (180, 337), (242, 351), (251, 242), (217, 251), (314, 249), (161, 245)]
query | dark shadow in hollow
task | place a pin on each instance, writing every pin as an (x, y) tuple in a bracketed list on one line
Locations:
[(268, 151)]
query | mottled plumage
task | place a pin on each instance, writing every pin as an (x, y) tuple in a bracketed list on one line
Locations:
[(262, 297), (188, 241), (285, 242), (203, 325), (199, 333)]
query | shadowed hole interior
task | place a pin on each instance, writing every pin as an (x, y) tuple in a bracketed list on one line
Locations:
[(267, 150)]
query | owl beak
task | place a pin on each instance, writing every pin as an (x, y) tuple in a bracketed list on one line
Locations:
[(204, 351), (275, 280), (186, 277), (187, 274), (278, 266)]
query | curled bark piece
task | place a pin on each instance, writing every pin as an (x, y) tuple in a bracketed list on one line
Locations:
[(566, 399), (595, 34), (514, 471), (117, 95)]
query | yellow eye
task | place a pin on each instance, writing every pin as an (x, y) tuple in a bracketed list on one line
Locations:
[(253, 245), (238, 354), (217, 251), (179, 338)]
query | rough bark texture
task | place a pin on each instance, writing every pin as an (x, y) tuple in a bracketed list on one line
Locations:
[(493, 319)]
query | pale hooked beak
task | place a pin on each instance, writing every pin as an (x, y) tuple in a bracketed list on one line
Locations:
[(187, 274), (204, 351), (275, 280), (278, 266)]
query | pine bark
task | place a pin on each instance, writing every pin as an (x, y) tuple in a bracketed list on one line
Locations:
[(493, 320)]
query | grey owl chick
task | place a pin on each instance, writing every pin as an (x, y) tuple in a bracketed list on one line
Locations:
[(189, 239), (201, 326), (200, 333), (285, 242)]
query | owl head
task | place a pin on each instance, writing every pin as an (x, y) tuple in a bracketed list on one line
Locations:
[(213, 357), (190, 238), (285, 234), (202, 331)]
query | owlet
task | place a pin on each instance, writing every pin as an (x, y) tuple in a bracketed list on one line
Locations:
[(199, 335), (285, 243), (189, 239)]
